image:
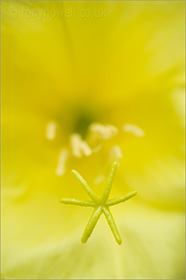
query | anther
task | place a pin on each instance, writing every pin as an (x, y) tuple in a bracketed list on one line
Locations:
[(135, 130)]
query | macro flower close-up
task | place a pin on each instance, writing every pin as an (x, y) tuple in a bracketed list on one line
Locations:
[(92, 114)]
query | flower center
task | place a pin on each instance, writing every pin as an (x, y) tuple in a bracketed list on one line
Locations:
[(82, 119)]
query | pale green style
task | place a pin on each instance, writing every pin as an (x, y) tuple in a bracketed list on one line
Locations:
[(101, 205)]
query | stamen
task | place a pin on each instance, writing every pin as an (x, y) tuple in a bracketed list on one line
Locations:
[(79, 147), (115, 154), (99, 131), (97, 149), (99, 179), (130, 128), (63, 156), (51, 130)]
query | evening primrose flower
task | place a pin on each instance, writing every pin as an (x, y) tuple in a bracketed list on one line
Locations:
[(85, 84)]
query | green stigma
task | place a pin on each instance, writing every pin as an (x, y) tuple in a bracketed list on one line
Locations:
[(100, 205)]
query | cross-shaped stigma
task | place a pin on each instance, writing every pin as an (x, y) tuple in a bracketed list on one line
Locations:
[(100, 205)]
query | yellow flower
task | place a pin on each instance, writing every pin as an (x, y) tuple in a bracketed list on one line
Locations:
[(83, 84)]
